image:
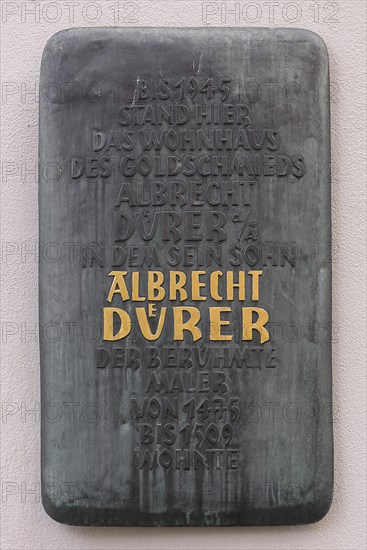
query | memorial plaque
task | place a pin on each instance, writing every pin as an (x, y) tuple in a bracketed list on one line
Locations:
[(185, 277)]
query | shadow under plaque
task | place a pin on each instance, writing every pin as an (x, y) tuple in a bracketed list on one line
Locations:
[(185, 277)]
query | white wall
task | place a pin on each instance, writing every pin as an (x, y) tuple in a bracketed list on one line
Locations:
[(26, 26)]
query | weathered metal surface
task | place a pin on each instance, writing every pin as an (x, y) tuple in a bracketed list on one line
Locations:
[(185, 273)]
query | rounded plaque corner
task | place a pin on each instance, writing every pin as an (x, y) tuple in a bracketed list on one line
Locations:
[(55, 51), (53, 41), (321, 509), (57, 512), (50, 48), (318, 41)]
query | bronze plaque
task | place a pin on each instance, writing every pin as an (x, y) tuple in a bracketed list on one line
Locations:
[(185, 277)]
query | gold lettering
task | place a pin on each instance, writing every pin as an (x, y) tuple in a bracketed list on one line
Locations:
[(255, 284), (214, 285), (118, 285), (231, 285), (135, 287), (177, 281), (216, 322), (152, 310), (196, 284), (248, 325), (190, 324), (155, 289), (125, 320), (144, 325)]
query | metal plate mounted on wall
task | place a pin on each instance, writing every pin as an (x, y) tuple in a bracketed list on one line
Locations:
[(185, 277)]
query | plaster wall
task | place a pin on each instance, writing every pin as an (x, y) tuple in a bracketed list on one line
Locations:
[(26, 26)]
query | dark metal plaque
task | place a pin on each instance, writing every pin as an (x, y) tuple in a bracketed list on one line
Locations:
[(185, 303)]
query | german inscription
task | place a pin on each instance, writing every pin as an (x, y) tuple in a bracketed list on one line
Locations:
[(198, 291)]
